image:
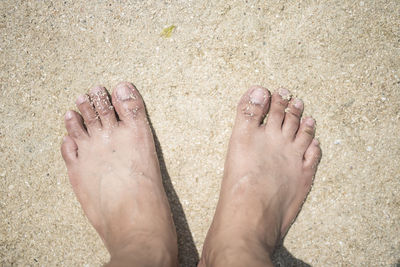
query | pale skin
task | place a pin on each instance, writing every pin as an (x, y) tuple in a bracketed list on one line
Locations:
[(114, 171)]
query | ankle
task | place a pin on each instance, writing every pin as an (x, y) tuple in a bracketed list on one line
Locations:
[(236, 252), (146, 253)]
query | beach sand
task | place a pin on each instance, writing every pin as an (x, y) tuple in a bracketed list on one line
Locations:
[(340, 57)]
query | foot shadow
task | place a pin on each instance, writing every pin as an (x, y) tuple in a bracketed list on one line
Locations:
[(283, 258), (188, 255)]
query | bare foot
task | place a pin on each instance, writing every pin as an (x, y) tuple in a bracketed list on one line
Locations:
[(269, 170), (114, 171)]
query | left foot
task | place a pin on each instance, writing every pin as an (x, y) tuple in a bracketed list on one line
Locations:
[(268, 173), (114, 171)]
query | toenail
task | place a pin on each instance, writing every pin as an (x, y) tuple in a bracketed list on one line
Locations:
[(124, 93), (68, 115), (81, 99), (258, 96), (310, 122), (284, 93), (97, 90), (298, 103)]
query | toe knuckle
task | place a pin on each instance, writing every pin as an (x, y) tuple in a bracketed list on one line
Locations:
[(295, 112), (91, 120), (136, 110), (295, 109), (74, 130), (132, 110), (107, 110), (76, 133), (281, 102), (309, 130), (251, 111)]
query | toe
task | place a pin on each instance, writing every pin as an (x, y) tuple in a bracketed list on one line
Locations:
[(292, 118), (128, 103), (305, 134), (103, 107), (74, 125), (279, 103), (253, 106), (312, 156), (89, 115), (69, 150)]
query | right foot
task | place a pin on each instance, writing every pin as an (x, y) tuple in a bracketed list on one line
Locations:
[(113, 168), (269, 171)]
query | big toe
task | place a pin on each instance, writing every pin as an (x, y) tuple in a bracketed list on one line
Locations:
[(253, 107), (129, 104)]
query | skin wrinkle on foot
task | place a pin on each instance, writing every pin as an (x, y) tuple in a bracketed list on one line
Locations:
[(249, 114)]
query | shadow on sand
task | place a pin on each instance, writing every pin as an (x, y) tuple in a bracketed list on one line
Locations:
[(188, 255), (283, 258)]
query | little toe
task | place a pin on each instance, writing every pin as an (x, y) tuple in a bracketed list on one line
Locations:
[(74, 125), (69, 150), (279, 103), (253, 107), (312, 156), (89, 115), (292, 118), (128, 103), (103, 107), (305, 134)]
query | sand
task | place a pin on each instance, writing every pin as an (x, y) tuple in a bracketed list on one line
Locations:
[(340, 57)]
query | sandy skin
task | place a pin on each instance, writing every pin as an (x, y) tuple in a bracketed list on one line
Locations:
[(114, 171)]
